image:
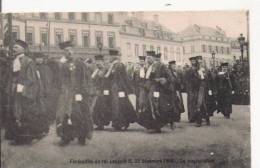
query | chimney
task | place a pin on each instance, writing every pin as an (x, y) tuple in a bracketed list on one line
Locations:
[(156, 18)]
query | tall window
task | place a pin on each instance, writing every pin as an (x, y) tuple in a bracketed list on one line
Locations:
[(128, 48), (178, 53), (84, 17), (144, 50), (192, 49), (222, 50), (158, 49), (71, 15), (44, 37), (15, 33), (43, 15), (210, 49), (29, 38), (183, 48), (110, 18), (58, 36), (111, 40), (73, 36), (57, 15), (99, 37), (136, 50), (85, 39), (216, 49), (203, 48), (165, 52), (228, 50), (98, 17), (151, 48)]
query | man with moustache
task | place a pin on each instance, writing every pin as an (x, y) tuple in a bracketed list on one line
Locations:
[(73, 118)]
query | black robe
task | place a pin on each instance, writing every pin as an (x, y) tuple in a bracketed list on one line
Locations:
[(81, 126), (123, 112), (160, 106)]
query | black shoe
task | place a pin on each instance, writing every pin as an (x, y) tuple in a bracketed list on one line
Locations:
[(99, 128), (82, 141), (64, 143), (198, 124)]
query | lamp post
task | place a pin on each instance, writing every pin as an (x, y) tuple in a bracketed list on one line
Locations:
[(213, 58), (241, 41)]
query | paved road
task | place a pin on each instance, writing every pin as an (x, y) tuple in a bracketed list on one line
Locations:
[(226, 143)]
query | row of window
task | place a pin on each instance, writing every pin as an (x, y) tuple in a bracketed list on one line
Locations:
[(72, 34), (84, 17), (146, 48), (216, 49)]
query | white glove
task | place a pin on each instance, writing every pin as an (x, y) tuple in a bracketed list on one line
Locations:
[(210, 92), (132, 99), (19, 88), (78, 97), (69, 122), (233, 92)]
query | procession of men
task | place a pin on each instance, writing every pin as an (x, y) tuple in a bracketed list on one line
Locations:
[(80, 95)]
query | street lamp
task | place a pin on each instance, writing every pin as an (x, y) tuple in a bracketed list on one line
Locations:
[(213, 58), (242, 42)]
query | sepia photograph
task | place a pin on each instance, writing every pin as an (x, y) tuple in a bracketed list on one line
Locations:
[(152, 89)]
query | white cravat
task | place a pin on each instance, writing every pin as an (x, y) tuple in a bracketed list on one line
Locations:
[(149, 70), (142, 72), (94, 73), (17, 63), (201, 72)]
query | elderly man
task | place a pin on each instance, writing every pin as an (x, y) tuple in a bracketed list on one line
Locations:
[(159, 94), (73, 116), (122, 97), (225, 90), (102, 113), (25, 99)]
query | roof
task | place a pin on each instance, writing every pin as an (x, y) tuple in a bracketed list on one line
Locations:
[(202, 30)]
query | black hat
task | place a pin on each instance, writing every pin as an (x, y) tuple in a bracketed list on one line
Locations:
[(192, 58), (158, 55), (224, 64), (99, 57), (199, 57), (172, 62), (113, 52), (150, 53), (21, 43), (142, 58), (65, 44)]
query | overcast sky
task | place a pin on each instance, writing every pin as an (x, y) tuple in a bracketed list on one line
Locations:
[(232, 22)]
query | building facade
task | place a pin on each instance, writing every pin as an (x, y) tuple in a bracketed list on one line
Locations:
[(130, 33)]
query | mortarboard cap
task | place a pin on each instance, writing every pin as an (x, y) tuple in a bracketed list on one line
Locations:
[(113, 52), (192, 58), (224, 64), (21, 43), (150, 53), (142, 58), (172, 62), (199, 57)]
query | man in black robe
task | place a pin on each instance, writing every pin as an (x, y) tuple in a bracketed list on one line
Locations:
[(177, 96), (25, 108), (123, 99), (224, 84), (102, 112), (203, 91), (159, 91), (45, 76), (73, 116), (139, 84)]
